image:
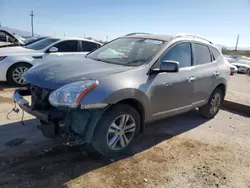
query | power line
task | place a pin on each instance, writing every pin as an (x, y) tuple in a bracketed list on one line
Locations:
[(32, 29)]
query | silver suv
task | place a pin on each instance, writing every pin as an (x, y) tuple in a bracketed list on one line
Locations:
[(104, 99)]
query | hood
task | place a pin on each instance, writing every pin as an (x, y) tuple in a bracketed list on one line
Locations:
[(58, 72), (241, 64), (15, 50)]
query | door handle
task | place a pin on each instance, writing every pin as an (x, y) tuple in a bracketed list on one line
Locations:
[(216, 73), (37, 57), (191, 78)]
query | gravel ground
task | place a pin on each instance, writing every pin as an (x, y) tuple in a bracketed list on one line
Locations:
[(183, 151), (239, 89)]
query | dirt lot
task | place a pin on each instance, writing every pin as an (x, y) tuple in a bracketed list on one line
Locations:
[(239, 89), (183, 151)]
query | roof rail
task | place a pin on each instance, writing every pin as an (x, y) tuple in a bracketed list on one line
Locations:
[(190, 35), (137, 33)]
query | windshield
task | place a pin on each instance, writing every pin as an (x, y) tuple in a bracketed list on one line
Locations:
[(41, 44), (32, 40), (128, 51)]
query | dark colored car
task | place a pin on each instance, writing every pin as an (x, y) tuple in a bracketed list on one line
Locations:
[(105, 99)]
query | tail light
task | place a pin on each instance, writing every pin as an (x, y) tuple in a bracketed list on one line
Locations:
[(228, 67)]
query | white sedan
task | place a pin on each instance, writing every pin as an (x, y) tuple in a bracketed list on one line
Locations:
[(14, 61), (242, 68)]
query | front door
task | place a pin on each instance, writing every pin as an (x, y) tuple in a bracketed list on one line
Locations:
[(67, 47), (172, 93)]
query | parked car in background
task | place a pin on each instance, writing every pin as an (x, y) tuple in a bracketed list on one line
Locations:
[(14, 61), (242, 66), (20, 38), (230, 59), (105, 99), (233, 68), (25, 42), (7, 38)]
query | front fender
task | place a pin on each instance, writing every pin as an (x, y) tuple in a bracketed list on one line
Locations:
[(128, 93), (115, 97), (104, 95)]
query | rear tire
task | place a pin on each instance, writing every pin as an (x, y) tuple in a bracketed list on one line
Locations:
[(248, 71), (116, 130), (15, 73), (213, 105)]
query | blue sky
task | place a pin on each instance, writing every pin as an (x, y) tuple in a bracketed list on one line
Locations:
[(217, 20)]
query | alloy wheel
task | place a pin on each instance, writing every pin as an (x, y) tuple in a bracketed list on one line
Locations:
[(17, 75), (215, 103), (121, 132)]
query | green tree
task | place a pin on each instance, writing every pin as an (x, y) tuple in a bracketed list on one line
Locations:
[(224, 49)]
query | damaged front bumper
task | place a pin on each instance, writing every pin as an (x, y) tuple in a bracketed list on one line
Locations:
[(78, 124), (44, 115)]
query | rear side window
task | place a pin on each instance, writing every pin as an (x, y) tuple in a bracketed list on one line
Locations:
[(202, 54), (67, 46), (215, 52), (180, 52), (89, 46)]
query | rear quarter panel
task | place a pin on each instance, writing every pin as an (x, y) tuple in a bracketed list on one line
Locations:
[(224, 73)]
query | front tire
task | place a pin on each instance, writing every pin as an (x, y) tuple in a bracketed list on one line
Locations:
[(116, 130), (213, 106), (15, 74)]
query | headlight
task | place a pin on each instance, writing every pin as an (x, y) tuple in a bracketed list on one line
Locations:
[(2, 57), (70, 95)]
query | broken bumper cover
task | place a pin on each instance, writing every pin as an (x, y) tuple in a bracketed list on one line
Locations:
[(82, 121), (44, 115)]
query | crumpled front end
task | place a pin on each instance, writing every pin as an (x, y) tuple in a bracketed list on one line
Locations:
[(75, 125)]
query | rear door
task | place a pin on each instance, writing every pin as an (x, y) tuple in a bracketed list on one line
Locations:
[(205, 71)]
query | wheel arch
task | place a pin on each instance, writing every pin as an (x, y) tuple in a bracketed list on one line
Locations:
[(138, 106), (221, 86), (133, 102), (14, 64), (135, 98)]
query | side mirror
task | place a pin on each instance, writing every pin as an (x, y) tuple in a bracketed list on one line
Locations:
[(168, 66), (53, 49)]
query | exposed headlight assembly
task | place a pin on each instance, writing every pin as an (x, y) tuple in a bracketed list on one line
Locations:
[(70, 95)]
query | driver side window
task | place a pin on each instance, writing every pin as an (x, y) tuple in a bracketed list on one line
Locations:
[(180, 52), (67, 46)]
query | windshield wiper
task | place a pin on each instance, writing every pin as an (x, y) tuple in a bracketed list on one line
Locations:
[(98, 59), (135, 61)]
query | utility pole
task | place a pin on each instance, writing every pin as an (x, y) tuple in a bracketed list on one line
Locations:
[(107, 38), (32, 29), (237, 41)]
